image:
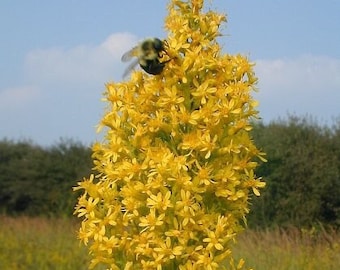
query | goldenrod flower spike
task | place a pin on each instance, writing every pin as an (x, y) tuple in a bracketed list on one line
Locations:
[(176, 169)]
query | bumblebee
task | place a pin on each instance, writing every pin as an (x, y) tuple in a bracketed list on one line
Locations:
[(149, 53)]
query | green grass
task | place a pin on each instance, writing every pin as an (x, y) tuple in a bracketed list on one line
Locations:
[(41, 243)]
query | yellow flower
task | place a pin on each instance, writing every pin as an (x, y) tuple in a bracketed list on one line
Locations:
[(175, 171), (159, 202), (204, 174), (206, 260), (166, 250), (213, 242), (151, 220), (143, 244)]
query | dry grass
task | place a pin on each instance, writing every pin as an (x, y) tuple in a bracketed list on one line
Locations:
[(290, 249), (41, 243)]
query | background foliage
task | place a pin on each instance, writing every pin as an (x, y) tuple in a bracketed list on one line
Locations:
[(302, 175), (38, 181)]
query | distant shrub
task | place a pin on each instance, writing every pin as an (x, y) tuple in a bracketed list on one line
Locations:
[(302, 173), (38, 181)]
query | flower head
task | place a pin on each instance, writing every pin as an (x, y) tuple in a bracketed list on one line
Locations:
[(176, 168)]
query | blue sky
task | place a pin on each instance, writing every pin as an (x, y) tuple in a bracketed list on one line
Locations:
[(56, 56)]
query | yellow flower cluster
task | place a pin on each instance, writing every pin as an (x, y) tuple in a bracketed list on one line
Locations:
[(176, 167)]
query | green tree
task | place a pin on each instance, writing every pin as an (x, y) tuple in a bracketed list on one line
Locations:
[(38, 181), (302, 173), (16, 174)]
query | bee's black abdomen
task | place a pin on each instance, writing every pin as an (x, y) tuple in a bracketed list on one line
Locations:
[(153, 67)]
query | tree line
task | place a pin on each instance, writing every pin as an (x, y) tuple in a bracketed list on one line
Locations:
[(37, 180), (302, 175)]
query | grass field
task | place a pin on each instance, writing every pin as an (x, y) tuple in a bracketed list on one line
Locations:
[(40, 243), (291, 249)]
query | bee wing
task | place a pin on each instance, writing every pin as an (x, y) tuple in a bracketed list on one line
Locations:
[(130, 67), (129, 55)]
